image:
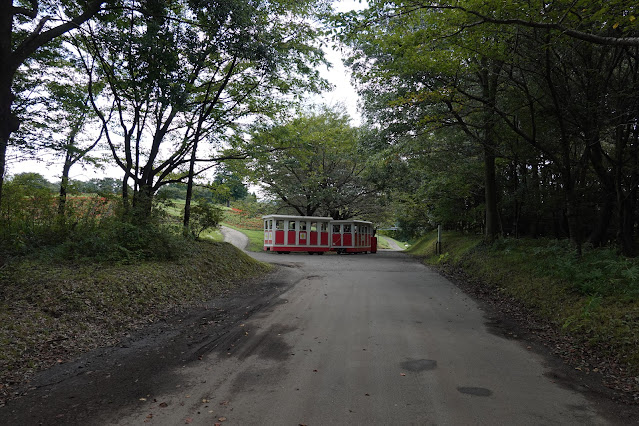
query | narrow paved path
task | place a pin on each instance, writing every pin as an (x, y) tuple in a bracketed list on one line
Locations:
[(394, 244), (364, 339), (234, 237)]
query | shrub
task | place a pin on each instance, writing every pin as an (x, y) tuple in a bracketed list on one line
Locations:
[(204, 216)]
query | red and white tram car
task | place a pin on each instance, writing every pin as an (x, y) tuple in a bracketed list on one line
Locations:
[(352, 236), (284, 234)]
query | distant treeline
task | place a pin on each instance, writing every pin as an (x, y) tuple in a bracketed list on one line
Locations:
[(221, 192)]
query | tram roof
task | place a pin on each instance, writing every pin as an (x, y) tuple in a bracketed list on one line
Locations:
[(364, 222), (289, 217)]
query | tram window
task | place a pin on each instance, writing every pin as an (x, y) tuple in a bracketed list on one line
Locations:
[(279, 225), (302, 226), (336, 229), (266, 225), (313, 226), (347, 228), (270, 225), (324, 226), (355, 228), (291, 226)]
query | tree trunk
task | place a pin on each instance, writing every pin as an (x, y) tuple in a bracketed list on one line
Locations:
[(625, 236), (125, 194), (490, 194), (9, 123), (489, 80), (572, 212), (142, 204), (189, 191), (64, 184), (599, 234)]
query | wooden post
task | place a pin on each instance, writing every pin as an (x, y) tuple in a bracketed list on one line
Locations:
[(438, 245)]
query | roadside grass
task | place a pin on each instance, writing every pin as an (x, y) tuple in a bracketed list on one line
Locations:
[(595, 298), (175, 207), (51, 312), (382, 243), (212, 235)]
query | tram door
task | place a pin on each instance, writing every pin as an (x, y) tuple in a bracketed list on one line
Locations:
[(347, 235), (337, 235), (291, 234), (303, 234), (313, 234)]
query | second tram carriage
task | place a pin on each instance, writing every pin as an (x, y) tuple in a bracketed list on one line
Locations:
[(285, 234)]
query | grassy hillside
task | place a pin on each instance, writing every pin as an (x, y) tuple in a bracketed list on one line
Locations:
[(52, 311), (594, 299)]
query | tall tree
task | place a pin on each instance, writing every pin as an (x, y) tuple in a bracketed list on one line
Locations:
[(430, 76), (25, 28), (315, 166), (190, 74), (556, 108)]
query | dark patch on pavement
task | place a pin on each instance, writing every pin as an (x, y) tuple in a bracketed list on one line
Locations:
[(268, 344), (314, 277), (256, 379), (416, 365), (475, 391)]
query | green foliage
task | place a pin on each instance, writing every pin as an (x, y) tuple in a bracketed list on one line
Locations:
[(92, 227), (102, 187), (597, 273), (114, 240), (204, 216), (227, 187), (520, 103), (28, 215), (204, 68), (313, 165)]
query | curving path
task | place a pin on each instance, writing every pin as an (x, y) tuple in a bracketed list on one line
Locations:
[(394, 244), (234, 237)]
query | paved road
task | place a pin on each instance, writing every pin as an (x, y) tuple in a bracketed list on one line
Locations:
[(365, 339), (234, 237), (394, 244)]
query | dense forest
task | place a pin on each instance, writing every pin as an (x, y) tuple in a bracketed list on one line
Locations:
[(511, 118), (482, 116)]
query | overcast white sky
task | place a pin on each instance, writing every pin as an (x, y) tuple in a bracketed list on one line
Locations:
[(338, 75)]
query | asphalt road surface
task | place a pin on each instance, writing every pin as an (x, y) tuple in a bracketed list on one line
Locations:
[(375, 339), (366, 339)]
